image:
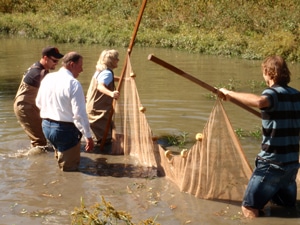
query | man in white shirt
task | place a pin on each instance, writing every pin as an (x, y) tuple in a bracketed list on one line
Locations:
[(61, 102)]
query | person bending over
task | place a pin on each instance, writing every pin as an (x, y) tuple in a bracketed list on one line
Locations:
[(277, 163)]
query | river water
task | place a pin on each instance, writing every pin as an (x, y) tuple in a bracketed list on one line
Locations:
[(34, 191)]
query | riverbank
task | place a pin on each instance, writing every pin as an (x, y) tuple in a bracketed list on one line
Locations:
[(244, 29)]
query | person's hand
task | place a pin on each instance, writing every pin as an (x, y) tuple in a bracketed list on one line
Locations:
[(115, 94), (89, 146), (223, 93)]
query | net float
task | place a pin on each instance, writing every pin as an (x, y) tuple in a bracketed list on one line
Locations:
[(168, 154), (184, 153), (199, 137), (154, 138), (142, 109)]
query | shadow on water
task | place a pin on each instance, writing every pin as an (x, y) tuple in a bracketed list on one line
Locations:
[(270, 210), (98, 165), (101, 167), (275, 211)]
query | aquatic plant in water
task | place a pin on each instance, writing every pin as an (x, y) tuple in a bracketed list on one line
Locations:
[(104, 214)]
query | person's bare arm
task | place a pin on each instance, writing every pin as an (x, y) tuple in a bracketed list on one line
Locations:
[(114, 94), (249, 99), (89, 146)]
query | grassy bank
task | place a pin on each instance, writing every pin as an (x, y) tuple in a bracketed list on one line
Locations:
[(249, 29)]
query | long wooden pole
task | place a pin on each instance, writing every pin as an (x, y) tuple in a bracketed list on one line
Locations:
[(158, 61), (137, 24)]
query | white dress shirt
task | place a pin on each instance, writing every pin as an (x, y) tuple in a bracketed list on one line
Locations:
[(61, 98)]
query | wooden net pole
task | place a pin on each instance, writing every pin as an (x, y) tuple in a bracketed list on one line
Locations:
[(162, 63), (137, 24)]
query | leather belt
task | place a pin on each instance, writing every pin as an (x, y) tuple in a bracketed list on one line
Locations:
[(277, 163), (62, 122)]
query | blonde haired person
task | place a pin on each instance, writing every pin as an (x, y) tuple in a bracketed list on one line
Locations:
[(277, 163), (101, 93)]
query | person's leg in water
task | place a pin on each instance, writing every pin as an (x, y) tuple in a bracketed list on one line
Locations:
[(66, 139), (249, 212), (286, 196), (69, 160), (263, 185), (29, 118)]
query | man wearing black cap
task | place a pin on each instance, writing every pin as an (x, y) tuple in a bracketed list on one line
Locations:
[(25, 108)]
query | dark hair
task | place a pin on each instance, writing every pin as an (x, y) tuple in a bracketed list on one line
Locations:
[(71, 57), (277, 69)]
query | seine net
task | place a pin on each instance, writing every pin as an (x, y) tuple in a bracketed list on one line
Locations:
[(215, 167)]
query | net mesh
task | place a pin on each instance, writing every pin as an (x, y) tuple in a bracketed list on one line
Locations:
[(215, 167)]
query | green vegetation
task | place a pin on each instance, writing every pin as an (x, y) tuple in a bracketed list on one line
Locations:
[(180, 140), (249, 29), (103, 214), (252, 133), (177, 140)]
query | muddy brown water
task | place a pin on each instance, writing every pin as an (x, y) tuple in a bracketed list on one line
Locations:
[(34, 191)]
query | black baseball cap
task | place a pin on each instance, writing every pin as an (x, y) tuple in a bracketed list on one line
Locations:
[(52, 51)]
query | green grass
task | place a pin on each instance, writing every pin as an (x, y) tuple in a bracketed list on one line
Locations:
[(249, 29)]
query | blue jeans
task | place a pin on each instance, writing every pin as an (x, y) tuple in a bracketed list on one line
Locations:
[(62, 135), (270, 182)]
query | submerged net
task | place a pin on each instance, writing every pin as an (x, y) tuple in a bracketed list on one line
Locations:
[(215, 167)]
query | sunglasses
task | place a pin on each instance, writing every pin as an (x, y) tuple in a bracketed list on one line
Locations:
[(54, 60)]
